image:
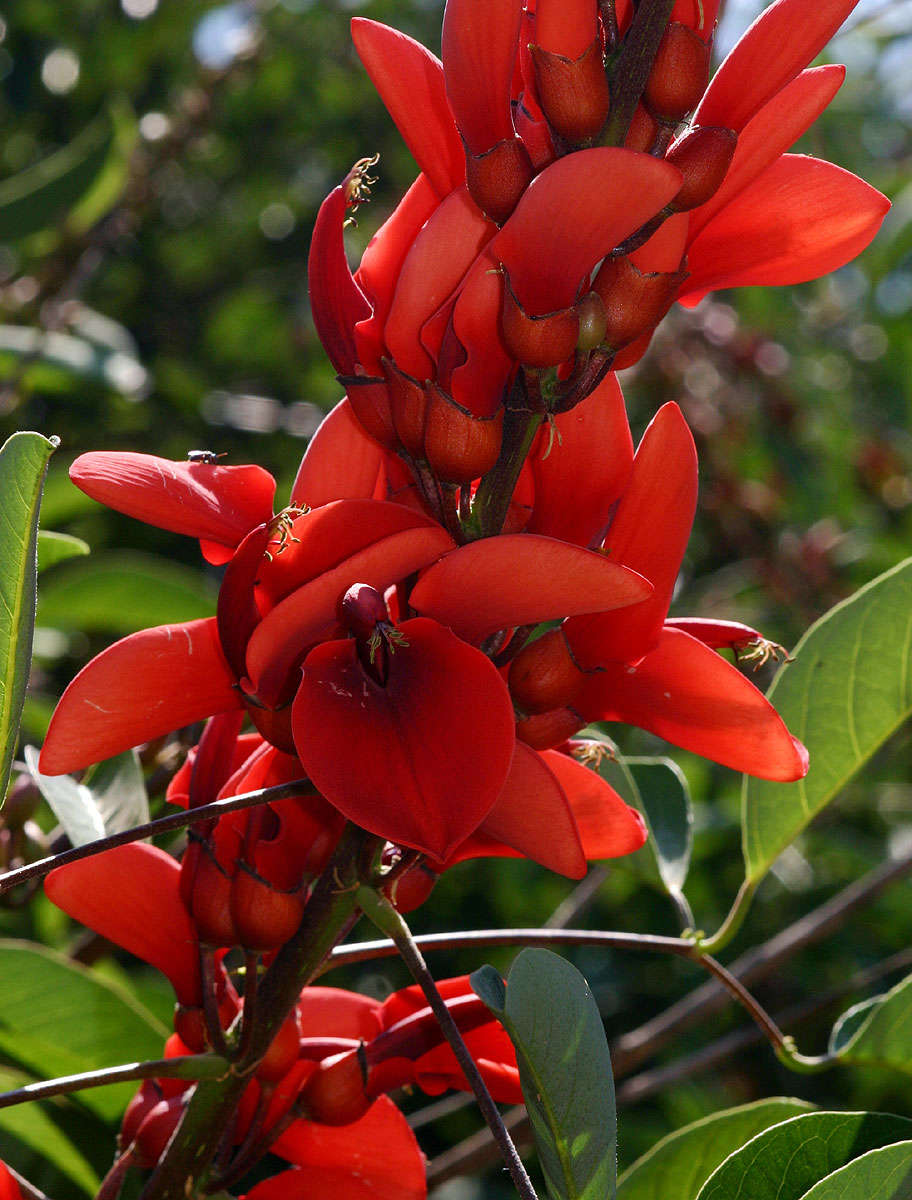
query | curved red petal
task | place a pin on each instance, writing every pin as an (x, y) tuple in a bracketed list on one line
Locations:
[(375, 1158), (336, 301), (581, 466), (478, 47), (717, 634), (798, 220), (573, 213), (444, 250), (332, 1012), (649, 533), (420, 761), (309, 613), (131, 896), (774, 129), (205, 500), (783, 40), (410, 82), (533, 817), (147, 684), (479, 382), (686, 693), (521, 579), (608, 828), (340, 463)]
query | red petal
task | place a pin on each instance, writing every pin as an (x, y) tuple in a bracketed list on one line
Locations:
[(341, 462), (445, 248), (221, 504), (9, 1188), (717, 634), (608, 827), (532, 817), (572, 214), (131, 895), (237, 614), (783, 40), (309, 613), (420, 761), (381, 264), (332, 1012), (336, 301), (479, 383), (565, 27), (376, 1158), (581, 466), (410, 82), (797, 221), (520, 579), (147, 684), (649, 534), (479, 44), (689, 695), (775, 128)]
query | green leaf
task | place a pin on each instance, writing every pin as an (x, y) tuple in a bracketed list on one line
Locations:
[(678, 1166), (57, 547), (849, 1024), (43, 196), (71, 802), (667, 811), (878, 1031), (109, 182), (848, 689), (782, 1163), (884, 1174), (564, 1069), (31, 1126), (120, 593), (58, 1018), (119, 791), (23, 463)]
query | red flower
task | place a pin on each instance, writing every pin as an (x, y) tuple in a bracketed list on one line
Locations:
[(9, 1188)]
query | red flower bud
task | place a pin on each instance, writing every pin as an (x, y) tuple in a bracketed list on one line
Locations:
[(336, 1093), (264, 917), (634, 301), (643, 131), (703, 156), (537, 341), (543, 676), (542, 731), (497, 178), (679, 75), (573, 93), (282, 1053), (363, 608), (409, 890), (209, 888), (149, 1123)]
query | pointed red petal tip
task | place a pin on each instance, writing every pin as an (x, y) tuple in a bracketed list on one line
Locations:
[(783, 40), (410, 82), (649, 533), (573, 213), (336, 302), (419, 761), (521, 579), (131, 896), (204, 500), (608, 827), (147, 684)]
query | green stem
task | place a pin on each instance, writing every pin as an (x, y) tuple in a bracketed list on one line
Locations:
[(732, 923), (379, 910), (632, 66), (185, 1066), (492, 500), (326, 918)]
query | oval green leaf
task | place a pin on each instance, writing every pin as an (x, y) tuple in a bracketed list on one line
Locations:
[(784, 1162), (678, 1166), (57, 547), (666, 808), (878, 1175), (58, 1018), (848, 689), (23, 464), (564, 1070), (878, 1032)]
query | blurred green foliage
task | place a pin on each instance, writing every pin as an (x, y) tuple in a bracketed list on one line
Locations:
[(179, 319)]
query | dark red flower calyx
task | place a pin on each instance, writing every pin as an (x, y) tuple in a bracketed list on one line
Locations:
[(573, 93), (365, 613), (679, 75), (702, 155)]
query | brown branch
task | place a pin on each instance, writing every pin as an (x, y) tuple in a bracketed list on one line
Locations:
[(186, 1066)]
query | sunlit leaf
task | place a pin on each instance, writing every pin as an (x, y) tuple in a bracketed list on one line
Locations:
[(782, 1163), (878, 1031), (884, 1174), (564, 1070), (23, 463), (678, 1166), (71, 803), (57, 547), (666, 808), (119, 792), (848, 689), (29, 1126)]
